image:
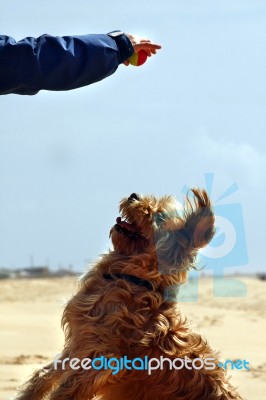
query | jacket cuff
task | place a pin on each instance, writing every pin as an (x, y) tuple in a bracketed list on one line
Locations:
[(124, 45)]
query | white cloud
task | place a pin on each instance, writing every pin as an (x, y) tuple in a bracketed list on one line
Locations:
[(240, 158)]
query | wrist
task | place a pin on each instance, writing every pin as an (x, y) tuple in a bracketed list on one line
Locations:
[(123, 43)]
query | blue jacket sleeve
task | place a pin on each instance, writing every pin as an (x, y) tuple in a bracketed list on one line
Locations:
[(59, 63)]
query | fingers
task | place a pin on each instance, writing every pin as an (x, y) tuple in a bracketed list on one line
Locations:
[(146, 44), (143, 44), (148, 52), (146, 47)]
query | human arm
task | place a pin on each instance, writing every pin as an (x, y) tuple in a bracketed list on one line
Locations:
[(59, 63)]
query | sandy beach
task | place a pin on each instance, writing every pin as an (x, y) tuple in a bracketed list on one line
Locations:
[(31, 335)]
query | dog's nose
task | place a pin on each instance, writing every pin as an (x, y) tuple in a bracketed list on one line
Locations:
[(133, 197)]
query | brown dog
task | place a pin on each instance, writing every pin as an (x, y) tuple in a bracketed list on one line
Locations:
[(121, 309)]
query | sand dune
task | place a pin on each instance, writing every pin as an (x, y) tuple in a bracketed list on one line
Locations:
[(30, 312)]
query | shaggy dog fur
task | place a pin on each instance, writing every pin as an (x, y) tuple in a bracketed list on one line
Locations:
[(112, 315)]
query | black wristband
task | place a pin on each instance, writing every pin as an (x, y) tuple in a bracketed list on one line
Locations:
[(123, 43)]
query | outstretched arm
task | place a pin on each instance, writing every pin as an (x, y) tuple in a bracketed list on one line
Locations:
[(62, 63)]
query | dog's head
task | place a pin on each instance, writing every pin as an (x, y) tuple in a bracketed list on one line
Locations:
[(149, 224)]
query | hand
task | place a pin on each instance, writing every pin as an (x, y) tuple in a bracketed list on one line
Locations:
[(139, 43)]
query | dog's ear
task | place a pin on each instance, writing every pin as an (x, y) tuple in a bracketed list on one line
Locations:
[(199, 219), (177, 244)]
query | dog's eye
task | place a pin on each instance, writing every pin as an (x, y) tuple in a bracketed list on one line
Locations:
[(159, 218)]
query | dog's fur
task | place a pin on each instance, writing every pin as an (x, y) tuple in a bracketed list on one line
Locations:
[(115, 317)]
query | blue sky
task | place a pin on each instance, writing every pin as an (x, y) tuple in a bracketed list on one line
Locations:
[(198, 107)]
